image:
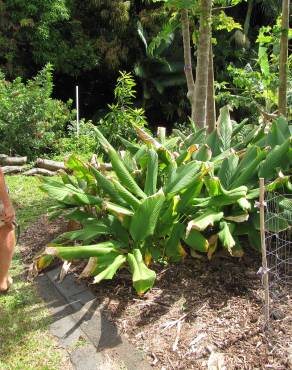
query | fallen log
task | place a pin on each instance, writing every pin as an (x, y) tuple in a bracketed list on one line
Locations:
[(50, 165), (12, 161), (100, 166), (39, 171), (13, 169)]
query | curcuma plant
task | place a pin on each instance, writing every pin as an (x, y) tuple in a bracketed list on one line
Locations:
[(167, 197)]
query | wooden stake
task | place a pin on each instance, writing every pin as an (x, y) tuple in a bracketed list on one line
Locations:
[(264, 251)]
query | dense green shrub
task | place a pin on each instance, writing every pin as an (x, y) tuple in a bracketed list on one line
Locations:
[(31, 121)]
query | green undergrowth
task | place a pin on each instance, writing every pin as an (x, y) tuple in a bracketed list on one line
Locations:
[(25, 343)]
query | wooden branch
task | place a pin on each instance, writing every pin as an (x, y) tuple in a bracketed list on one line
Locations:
[(13, 169), (39, 171), (50, 165), (12, 161)]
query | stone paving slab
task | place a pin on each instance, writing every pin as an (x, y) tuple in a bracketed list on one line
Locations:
[(92, 341)]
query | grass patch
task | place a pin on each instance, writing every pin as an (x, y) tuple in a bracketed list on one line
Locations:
[(25, 343)]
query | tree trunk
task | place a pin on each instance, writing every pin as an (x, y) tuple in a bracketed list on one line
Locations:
[(13, 161), (188, 59), (39, 171), (283, 62), (50, 165), (211, 107), (248, 17), (202, 61), (13, 169)]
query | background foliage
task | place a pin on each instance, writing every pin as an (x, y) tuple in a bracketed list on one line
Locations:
[(31, 122)]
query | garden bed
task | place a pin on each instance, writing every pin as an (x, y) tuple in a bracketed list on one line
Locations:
[(196, 311)]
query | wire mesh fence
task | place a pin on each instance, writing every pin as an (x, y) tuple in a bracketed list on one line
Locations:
[(278, 249)]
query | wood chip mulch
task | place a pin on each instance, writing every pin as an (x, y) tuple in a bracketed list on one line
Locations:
[(200, 314)]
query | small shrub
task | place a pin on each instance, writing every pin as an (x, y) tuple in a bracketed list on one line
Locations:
[(83, 145), (123, 115)]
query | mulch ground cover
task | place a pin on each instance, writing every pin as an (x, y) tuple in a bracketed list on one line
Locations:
[(199, 314)]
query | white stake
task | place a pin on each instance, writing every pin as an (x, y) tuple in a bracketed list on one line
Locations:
[(77, 110)]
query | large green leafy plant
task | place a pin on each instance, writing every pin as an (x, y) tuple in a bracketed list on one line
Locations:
[(168, 196)]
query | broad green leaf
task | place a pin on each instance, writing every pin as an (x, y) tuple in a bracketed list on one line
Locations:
[(277, 157), (208, 218), (143, 277), (152, 171), (191, 192), (237, 216), (107, 186), (197, 241), (264, 61), (128, 197), (68, 194), (97, 264), (118, 230), (84, 251), (120, 212), (244, 204), (145, 218), (86, 199), (120, 169), (250, 154), (183, 177), (80, 216), (124, 175), (279, 132), (249, 172), (224, 127), (204, 153), (214, 142), (236, 129), (109, 272), (173, 247), (227, 170), (225, 236), (43, 262), (168, 217), (213, 185), (90, 231)]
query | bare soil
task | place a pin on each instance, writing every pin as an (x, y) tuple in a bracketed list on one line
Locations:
[(199, 314)]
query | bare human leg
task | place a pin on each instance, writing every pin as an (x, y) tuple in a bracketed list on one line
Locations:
[(7, 244)]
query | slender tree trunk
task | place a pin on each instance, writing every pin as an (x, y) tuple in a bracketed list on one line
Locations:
[(188, 59), (202, 62), (283, 62), (248, 17), (211, 108)]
